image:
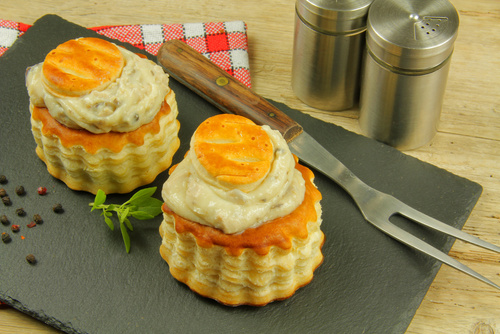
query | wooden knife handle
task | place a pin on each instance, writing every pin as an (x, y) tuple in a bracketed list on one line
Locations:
[(221, 89)]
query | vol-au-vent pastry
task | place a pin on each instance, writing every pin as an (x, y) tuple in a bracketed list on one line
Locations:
[(241, 216), (102, 117)]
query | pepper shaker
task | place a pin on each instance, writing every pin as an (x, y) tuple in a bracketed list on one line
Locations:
[(328, 46), (405, 69)]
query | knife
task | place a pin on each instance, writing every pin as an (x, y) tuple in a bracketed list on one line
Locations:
[(228, 94)]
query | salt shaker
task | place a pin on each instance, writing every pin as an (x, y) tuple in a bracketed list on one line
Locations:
[(328, 46), (405, 69)]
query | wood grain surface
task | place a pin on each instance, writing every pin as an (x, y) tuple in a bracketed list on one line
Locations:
[(467, 142)]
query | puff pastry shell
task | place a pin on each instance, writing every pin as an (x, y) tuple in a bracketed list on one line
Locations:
[(113, 162), (256, 267)]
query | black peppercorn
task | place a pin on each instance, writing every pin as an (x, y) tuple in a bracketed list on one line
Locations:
[(31, 259), (20, 212), (6, 237), (58, 208), (3, 179), (20, 191), (3, 193), (37, 219), (6, 200), (4, 220)]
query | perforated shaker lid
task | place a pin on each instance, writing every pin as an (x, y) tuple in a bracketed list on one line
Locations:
[(409, 34), (334, 16)]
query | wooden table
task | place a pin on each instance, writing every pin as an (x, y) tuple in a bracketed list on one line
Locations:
[(467, 143)]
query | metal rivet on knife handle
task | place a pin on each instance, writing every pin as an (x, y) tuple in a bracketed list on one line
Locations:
[(221, 81), (199, 74)]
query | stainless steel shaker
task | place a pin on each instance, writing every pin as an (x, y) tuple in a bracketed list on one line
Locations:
[(405, 69), (328, 46)]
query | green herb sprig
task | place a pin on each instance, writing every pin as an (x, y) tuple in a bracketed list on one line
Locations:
[(140, 206)]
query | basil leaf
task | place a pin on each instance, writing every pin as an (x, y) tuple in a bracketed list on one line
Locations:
[(151, 210), (141, 215), (143, 193), (110, 223), (144, 201), (126, 237), (122, 215), (129, 224), (151, 206), (100, 198)]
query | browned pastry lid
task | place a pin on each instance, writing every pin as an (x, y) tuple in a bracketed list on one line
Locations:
[(233, 149), (79, 66)]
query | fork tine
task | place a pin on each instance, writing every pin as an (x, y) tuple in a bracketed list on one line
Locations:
[(423, 219), (414, 242)]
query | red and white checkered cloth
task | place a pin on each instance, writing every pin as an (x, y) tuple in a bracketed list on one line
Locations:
[(224, 43)]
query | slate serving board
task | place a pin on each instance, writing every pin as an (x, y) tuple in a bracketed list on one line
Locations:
[(84, 282)]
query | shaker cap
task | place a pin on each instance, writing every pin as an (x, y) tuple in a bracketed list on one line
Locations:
[(334, 16), (413, 35)]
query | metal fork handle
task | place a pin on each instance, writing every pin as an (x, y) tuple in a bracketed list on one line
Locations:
[(318, 157)]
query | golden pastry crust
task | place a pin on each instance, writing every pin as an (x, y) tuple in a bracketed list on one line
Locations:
[(255, 267), (79, 66), (233, 149), (116, 162)]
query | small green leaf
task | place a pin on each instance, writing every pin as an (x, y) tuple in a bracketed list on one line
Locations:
[(141, 215), (122, 215), (141, 201), (129, 224), (143, 193), (151, 206), (132, 208), (126, 237), (151, 210), (110, 223), (100, 198)]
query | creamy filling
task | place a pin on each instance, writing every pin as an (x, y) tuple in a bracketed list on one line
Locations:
[(129, 102), (197, 196)]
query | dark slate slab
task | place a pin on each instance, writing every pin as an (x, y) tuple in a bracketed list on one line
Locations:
[(84, 282)]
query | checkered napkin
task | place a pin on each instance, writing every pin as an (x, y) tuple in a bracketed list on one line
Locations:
[(224, 43)]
